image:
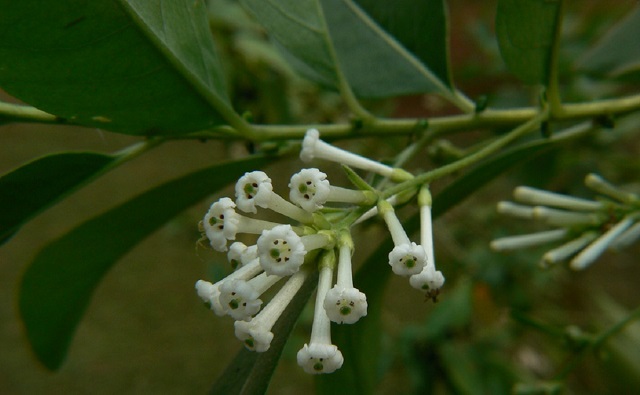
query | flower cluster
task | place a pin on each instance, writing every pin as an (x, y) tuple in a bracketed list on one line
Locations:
[(586, 227), (311, 234)]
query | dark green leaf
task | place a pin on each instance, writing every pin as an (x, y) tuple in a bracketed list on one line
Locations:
[(249, 373), (31, 188), (137, 67), (57, 286), (526, 31), (461, 366), (617, 54), (374, 62)]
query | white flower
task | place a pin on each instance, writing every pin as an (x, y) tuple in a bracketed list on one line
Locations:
[(345, 304), (240, 254), (313, 147), (535, 196), (600, 185), (320, 355), (222, 223), (309, 189), (210, 293), (429, 278), (256, 334), (282, 251), (596, 248), (239, 299), (528, 240), (407, 259), (253, 189)]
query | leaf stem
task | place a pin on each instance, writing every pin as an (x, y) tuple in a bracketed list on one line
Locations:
[(19, 113), (491, 148)]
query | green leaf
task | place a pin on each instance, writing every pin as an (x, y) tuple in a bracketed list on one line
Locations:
[(250, 372), (374, 62), (136, 67), (617, 54), (57, 286), (31, 188), (526, 31)]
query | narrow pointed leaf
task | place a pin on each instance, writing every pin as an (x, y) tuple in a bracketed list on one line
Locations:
[(375, 63), (526, 33), (617, 54), (131, 66), (35, 186), (57, 286)]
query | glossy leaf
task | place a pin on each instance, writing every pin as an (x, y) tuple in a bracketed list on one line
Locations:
[(250, 372), (526, 33), (31, 188), (132, 66), (374, 62), (617, 54), (57, 286)]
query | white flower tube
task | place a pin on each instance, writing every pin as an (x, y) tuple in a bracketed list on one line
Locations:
[(344, 303), (282, 251), (528, 240), (313, 147), (596, 248), (256, 334), (210, 293), (239, 298), (406, 258), (626, 238), (556, 217), (568, 249), (320, 355), (255, 189), (429, 278), (310, 189), (600, 185), (515, 210), (240, 254), (222, 223), (540, 197)]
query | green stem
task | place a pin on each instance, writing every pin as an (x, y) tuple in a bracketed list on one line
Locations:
[(19, 113), (553, 89), (604, 336), (496, 145)]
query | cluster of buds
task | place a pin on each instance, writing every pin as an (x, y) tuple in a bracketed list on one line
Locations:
[(315, 237), (586, 227)]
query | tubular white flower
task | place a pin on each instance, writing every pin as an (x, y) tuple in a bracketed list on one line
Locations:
[(313, 147), (345, 304), (210, 293), (568, 249), (535, 196), (222, 223), (557, 217), (429, 277), (515, 210), (398, 234), (528, 240), (240, 254), (256, 334), (627, 238), (255, 189), (309, 189), (407, 259), (282, 251), (596, 248), (320, 355), (239, 298), (600, 185)]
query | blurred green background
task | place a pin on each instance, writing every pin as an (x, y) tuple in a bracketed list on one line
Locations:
[(147, 332)]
